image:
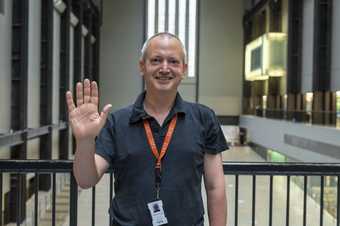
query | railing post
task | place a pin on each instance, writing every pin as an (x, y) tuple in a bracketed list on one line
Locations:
[(288, 200), (54, 191), (73, 200), (253, 201), (338, 203), (111, 195), (236, 200), (0, 198), (321, 199), (305, 184), (270, 200), (93, 205)]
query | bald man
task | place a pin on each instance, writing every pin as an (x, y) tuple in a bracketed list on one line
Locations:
[(159, 148)]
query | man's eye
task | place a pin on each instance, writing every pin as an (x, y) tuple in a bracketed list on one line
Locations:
[(155, 60), (173, 61)]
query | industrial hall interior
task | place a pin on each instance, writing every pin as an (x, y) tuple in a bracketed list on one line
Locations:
[(269, 69)]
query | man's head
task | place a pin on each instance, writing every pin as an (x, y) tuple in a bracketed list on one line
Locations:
[(163, 63), (146, 45)]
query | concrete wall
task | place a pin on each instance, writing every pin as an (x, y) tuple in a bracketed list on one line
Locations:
[(221, 55), (56, 82), (121, 40), (5, 69), (220, 63), (335, 66), (270, 134), (5, 81), (307, 46), (71, 85), (33, 97)]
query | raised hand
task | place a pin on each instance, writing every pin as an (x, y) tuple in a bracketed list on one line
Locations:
[(85, 120)]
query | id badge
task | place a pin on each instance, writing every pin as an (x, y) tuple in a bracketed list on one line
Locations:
[(157, 213)]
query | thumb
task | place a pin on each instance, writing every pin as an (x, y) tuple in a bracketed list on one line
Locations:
[(105, 112)]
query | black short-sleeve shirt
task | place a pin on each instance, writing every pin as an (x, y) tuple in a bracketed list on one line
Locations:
[(123, 143)]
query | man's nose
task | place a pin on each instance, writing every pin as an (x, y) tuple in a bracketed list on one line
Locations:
[(165, 66)]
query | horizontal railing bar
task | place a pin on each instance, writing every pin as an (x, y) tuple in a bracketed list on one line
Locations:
[(240, 168), (37, 132), (41, 166), (12, 138), (20, 136), (291, 168)]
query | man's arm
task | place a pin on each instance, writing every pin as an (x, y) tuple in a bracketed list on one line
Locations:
[(215, 188), (88, 167), (86, 123)]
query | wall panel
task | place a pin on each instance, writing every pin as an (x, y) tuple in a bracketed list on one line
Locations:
[(221, 55), (335, 65), (307, 46)]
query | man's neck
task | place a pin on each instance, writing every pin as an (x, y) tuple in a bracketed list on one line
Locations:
[(159, 105)]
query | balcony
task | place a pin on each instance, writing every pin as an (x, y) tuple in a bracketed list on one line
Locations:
[(259, 193)]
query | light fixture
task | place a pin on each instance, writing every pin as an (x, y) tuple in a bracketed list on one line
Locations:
[(266, 56), (59, 5), (309, 97)]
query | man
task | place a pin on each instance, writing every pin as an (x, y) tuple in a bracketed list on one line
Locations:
[(159, 147)]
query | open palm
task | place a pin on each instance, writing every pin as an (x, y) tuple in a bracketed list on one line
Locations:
[(84, 119)]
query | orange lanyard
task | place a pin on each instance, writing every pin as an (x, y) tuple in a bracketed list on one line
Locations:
[(151, 140)]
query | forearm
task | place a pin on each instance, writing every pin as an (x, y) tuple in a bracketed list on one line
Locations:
[(217, 206), (84, 166)]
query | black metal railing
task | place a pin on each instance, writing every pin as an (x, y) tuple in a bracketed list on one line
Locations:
[(231, 169), (288, 170)]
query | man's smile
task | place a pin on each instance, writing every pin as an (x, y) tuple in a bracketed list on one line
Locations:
[(163, 78)]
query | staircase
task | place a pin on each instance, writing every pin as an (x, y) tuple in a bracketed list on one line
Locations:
[(62, 209)]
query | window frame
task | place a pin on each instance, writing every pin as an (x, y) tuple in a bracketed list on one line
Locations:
[(155, 16)]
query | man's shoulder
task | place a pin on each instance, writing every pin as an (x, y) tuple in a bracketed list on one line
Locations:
[(122, 113)]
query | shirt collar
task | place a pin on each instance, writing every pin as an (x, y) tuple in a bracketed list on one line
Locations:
[(138, 112)]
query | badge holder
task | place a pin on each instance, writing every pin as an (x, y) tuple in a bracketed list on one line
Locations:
[(157, 213)]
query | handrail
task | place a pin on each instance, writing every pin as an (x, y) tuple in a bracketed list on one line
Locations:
[(240, 168), (20, 136), (284, 168), (235, 169)]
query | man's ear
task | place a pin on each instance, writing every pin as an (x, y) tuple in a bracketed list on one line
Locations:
[(185, 70), (141, 67)]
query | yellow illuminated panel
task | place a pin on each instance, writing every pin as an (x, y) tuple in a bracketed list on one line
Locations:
[(266, 56), (252, 73)]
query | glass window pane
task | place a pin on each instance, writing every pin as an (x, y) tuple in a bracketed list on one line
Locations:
[(192, 39), (161, 15), (172, 16), (151, 17), (182, 20), (176, 15)]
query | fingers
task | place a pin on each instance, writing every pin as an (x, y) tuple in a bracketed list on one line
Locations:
[(69, 101), (94, 93), (80, 98), (105, 113), (87, 91)]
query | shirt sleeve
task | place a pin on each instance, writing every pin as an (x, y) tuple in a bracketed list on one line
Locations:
[(214, 140), (105, 141)]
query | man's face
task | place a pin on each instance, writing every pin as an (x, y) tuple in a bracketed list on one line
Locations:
[(163, 67)]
